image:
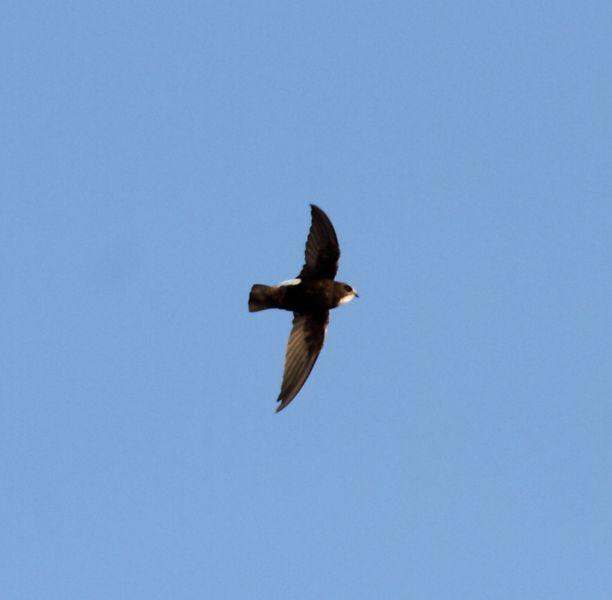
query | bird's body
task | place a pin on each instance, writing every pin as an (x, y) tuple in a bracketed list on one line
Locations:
[(299, 296), (310, 297)]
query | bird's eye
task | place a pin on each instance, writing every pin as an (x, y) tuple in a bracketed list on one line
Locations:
[(347, 288)]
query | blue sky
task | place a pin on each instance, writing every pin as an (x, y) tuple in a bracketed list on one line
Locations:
[(453, 440)]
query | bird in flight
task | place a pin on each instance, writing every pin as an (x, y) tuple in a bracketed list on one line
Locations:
[(310, 297)]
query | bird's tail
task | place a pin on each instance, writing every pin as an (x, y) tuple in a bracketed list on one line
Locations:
[(262, 297)]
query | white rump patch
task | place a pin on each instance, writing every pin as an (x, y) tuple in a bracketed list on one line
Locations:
[(290, 282), (347, 298)]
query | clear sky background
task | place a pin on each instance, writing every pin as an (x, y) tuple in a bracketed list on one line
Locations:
[(454, 438)]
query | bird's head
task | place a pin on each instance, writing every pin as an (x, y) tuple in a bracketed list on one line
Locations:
[(345, 293)]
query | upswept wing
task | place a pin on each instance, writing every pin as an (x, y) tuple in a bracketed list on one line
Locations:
[(322, 249), (305, 342)]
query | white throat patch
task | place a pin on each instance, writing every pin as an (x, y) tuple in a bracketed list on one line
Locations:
[(347, 298)]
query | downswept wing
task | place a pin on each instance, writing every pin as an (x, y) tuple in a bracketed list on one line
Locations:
[(305, 342), (322, 249)]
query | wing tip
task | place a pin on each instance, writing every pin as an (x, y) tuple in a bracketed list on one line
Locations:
[(283, 404)]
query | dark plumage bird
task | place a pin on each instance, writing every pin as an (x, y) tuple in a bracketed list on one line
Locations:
[(310, 297)]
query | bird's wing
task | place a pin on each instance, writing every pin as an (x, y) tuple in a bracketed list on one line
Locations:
[(322, 249), (305, 342)]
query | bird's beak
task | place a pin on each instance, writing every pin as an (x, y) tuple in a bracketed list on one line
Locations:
[(356, 294)]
